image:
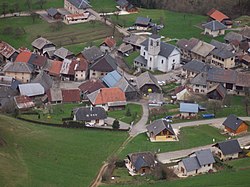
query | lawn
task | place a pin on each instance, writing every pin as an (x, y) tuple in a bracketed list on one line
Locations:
[(189, 137), (104, 5), (53, 113), (135, 110), (130, 59), (176, 25), (75, 36), (36, 155)]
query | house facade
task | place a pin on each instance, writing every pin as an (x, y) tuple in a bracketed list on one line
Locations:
[(157, 55), (235, 125), (147, 83), (214, 28), (108, 45)]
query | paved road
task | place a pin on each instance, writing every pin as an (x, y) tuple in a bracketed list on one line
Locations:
[(140, 126), (168, 157)]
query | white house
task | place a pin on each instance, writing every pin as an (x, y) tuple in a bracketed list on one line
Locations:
[(198, 162), (76, 6), (157, 55), (214, 28)]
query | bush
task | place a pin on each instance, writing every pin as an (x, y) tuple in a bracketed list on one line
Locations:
[(116, 124)]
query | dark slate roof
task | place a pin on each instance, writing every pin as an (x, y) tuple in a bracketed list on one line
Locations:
[(231, 36), (155, 36), (220, 89), (146, 78), (92, 54), (245, 32), (80, 4), (104, 64), (63, 53), (232, 122), (142, 21), (229, 147), (18, 67), (141, 60), (200, 79), (194, 66), (158, 126), (52, 11), (204, 157), (144, 159), (166, 49), (220, 45), (90, 113), (214, 26), (221, 75), (44, 79), (91, 85), (122, 3), (191, 163), (222, 53), (187, 44), (189, 107)]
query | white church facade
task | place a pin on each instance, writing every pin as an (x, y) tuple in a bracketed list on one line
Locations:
[(157, 55)]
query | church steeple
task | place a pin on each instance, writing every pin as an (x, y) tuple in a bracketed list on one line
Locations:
[(154, 44)]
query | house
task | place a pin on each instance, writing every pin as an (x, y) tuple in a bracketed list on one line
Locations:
[(102, 66), (245, 32), (54, 14), (90, 115), (38, 61), (140, 163), (23, 56), (233, 36), (147, 83), (78, 18), (62, 53), (7, 52), (23, 102), (54, 68), (214, 28), (199, 83), (157, 55), (188, 110), (42, 45), (124, 5), (71, 95), (90, 86), (142, 23), (6, 98), (246, 61), (161, 130), (229, 149), (217, 92), (235, 125), (115, 79), (186, 46), (44, 79), (108, 98), (197, 163), (91, 54), (108, 45), (223, 58), (182, 93), (31, 89), (220, 17), (67, 70), (58, 95), (19, 71), (134, 40), (201, 51), (80, 68), (155, 99), (76, 6), (192, 68), (125, 49)]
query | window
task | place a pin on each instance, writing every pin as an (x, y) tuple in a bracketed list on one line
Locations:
[(162, 61), (173, 60), (232, 58), (151, 42), (157, 43), (93, 73), (204, 86), (150, 59), (144, 54)]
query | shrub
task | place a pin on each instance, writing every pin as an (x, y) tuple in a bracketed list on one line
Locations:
[(116, 124)]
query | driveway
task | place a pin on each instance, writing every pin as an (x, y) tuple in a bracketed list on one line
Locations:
[(169, 157), (140, 126), (123, 125)]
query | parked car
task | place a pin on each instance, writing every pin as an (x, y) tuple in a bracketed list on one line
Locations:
[(207, 116)]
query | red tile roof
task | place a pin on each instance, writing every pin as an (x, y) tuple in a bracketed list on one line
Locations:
[(217, 15), (80, 65), (23, 102), (55, 68), (6, 50), (24, 56), (39, 60), (110, 42), (71, 95), (91, 86), (107, 95)]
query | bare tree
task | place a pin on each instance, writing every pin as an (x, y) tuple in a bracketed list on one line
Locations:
[(4, 8), (214, 105)]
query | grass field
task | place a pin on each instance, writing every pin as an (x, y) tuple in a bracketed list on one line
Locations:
[(53, 114), (98, 5), (176, 25), (135, 110), (189, 137), (36, 155), (75, 36)]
